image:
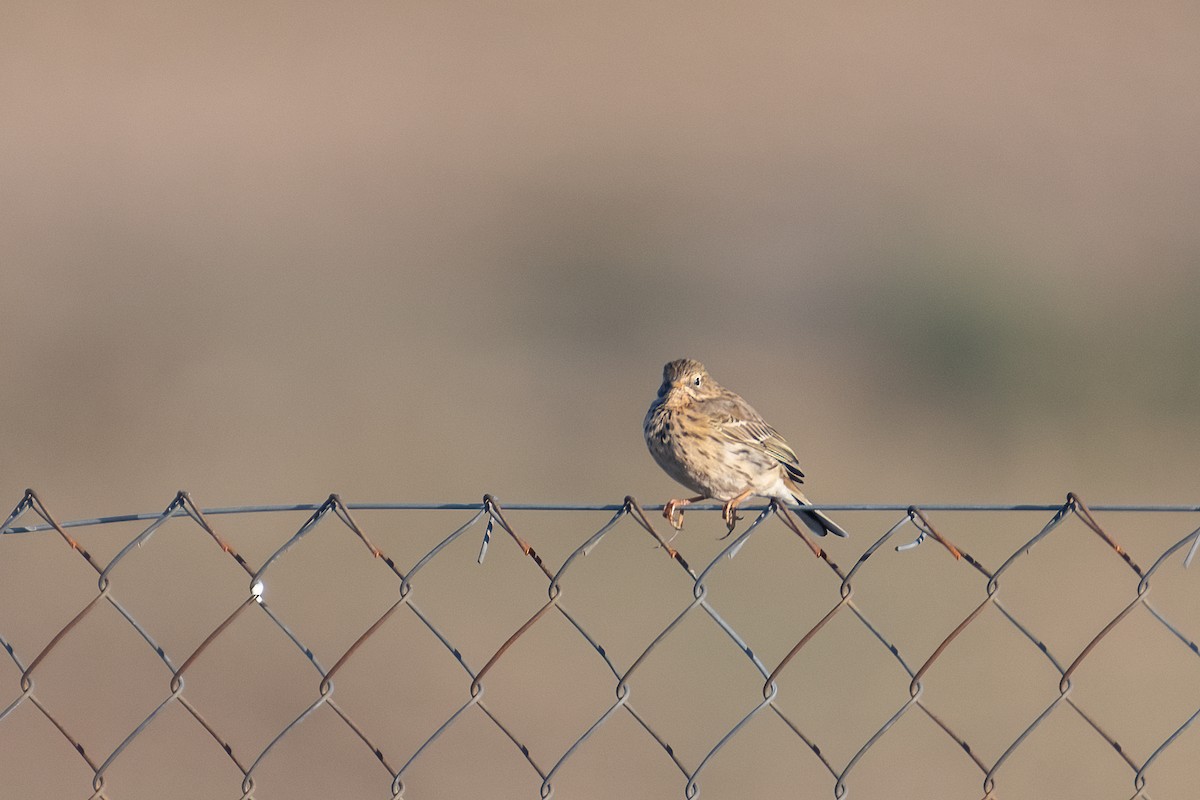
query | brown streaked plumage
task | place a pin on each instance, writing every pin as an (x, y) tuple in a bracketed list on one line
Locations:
[(710, 440)]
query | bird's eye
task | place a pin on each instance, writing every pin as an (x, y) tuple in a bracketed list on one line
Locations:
[(696, 380)]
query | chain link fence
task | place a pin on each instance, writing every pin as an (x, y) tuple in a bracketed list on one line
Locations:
[(455, 650)]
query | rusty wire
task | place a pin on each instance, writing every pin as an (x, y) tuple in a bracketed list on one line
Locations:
[(489, 515)]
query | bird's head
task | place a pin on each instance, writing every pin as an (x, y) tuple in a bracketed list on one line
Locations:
[(685, 380)]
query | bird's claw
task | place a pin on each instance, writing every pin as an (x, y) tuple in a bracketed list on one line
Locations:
[(674, 516), (731, 517)]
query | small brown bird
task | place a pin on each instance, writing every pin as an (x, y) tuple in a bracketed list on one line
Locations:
[(711, 440)]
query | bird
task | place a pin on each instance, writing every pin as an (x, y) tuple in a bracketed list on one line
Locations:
[(713, 442)]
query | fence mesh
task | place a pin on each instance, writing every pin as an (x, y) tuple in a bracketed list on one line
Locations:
[(410, 650)]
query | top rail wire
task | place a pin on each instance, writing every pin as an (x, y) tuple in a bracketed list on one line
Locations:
[(609, 507)]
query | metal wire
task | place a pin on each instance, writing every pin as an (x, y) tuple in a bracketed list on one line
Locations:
[(489, 516), (610, 507)]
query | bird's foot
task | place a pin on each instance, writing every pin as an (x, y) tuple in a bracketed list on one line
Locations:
[(674, 514), (730, 515)]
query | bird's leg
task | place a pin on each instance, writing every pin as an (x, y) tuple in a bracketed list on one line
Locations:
[(677, 520), (729, 512)]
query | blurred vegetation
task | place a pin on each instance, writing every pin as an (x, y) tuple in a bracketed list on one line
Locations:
[(983, 335)]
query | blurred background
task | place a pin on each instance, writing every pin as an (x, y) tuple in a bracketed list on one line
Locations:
[(423, 251)]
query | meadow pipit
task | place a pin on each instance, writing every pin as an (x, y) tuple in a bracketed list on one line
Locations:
[(711, 440)]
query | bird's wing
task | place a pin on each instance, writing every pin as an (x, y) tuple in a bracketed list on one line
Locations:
[(734, 420)]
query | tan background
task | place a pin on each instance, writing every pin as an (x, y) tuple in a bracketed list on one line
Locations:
[(423, 251)]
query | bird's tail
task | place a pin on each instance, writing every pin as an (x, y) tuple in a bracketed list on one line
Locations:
[(815, 521)]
